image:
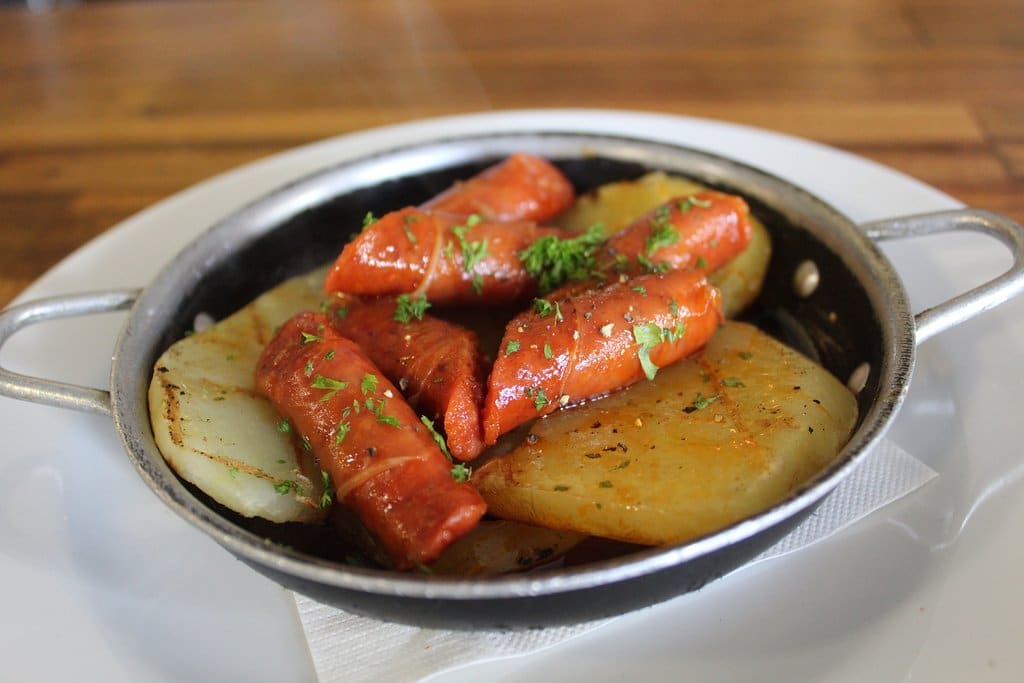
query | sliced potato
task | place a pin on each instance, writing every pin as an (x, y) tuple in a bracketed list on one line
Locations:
[(213, 429), (740, 280), (502, 546), (616, 205), (710, 441)]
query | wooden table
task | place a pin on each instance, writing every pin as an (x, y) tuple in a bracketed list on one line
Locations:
[(105, 108)]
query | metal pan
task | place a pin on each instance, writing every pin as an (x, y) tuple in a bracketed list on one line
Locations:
[(857, 323)]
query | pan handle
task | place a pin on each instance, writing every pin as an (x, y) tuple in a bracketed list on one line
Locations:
[(962, 307), (51, 392)]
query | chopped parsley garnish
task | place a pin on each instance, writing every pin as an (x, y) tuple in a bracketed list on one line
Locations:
[(329, 355), (436, 436), (511, 347), (308, 368), (406, 221), (561, 487), (640, 289), (702, 262), (692, 201), (389, 420), (605, 484), (460, 472), (539, 399), (472, 252), (369, 219), (341, 433), (368, 384), (544, 308), (306, 445), (233, 471), (327, 497), (285, 486), (746, 355), (547, 351), (333, 386), (662, 235), (377, 408), (649, 335), (649, 266), (407, 308), (702, 401), (732, 382), (556, 260), (308, 338), (284, 426), (621, 466)]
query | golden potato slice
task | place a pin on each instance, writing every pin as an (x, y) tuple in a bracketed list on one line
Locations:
[(708, 442), (616, 205), (502, 546), (740, 280), (213, 429)]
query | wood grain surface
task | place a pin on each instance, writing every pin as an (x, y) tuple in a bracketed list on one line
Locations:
[(108, 107)]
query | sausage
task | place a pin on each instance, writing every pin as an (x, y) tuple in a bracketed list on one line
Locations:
[(705, 231), (434, 362), (381, 460), (520, 188), (450, 259), (570, 348)]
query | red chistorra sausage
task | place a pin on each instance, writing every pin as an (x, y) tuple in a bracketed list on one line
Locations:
[(381, 460), (450, 259), (434, 362), (568, 349), (704, 230), (520, 188)]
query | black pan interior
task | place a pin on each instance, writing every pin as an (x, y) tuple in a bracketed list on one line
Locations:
[(836, 325)]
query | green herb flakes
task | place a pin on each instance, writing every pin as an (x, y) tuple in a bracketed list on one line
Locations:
[(662, 234), (555, 260), (436, 436), (461, 472), (327, 497), (539, 399), (368, 384), (408, 308), (341, 432), (333, 386), (511, 347), (702, 401), (545, 308)]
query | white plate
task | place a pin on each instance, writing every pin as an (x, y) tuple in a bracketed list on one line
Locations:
[(99, 581)]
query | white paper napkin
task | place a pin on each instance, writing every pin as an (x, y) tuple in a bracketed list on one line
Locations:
[(351, 648)]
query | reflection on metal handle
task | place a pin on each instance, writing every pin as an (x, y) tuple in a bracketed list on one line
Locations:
[(933, 320), (50, 392)]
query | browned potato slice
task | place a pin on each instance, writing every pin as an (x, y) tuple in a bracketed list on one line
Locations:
[(709, 441), (616, 205), (501, 546), (213, 429)]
